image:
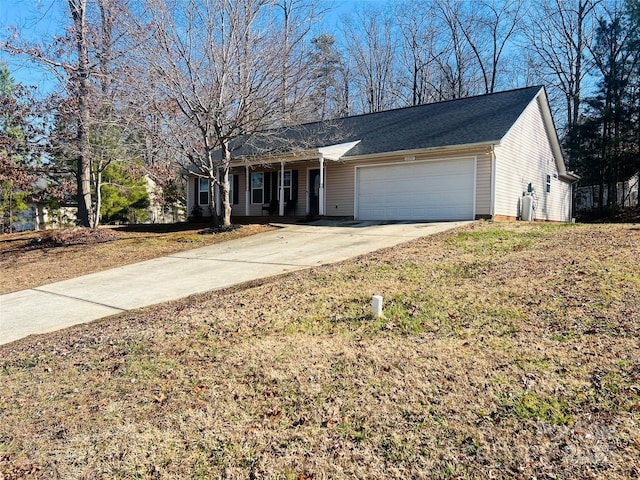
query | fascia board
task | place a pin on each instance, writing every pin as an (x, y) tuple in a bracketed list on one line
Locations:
[(552, 133), (419, 151), (328, 152)]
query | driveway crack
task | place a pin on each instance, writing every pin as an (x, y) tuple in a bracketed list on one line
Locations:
[(39, 290)]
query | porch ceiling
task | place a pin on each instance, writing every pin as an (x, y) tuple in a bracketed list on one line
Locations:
[(328, 152), (335, 152)]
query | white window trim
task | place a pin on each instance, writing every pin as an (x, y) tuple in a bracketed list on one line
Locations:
[(254, 189), (286, 187), (201, 191)]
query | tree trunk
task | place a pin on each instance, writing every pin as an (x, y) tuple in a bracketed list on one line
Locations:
[(10, 222), (226, 201), (212, 200), (98, 188), (226, 204), (78, 12)]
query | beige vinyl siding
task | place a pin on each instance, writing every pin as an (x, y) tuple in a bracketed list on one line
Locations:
[(303, 178), (340, 182), (483, 185), (193, 193), (560, 208), (191, 185), (239, 209), (256, 209), (524, 157)]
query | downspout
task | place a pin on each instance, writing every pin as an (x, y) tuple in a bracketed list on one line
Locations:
[(493, 181)]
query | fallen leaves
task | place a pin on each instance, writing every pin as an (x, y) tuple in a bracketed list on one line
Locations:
[(37, 258), (262, 379), (9, 470)]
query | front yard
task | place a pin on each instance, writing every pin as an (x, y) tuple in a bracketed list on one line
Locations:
[(37, 258), (508, 350)]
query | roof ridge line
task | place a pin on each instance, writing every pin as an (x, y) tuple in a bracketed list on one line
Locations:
[(396, 109)]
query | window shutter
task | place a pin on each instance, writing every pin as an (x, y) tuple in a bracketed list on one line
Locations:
[(236, 190), (265, 185), (274, 184), (196, 191), (294, 185)]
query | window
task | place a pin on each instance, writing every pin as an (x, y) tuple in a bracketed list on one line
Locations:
[(231, 188), (203, 191), (287, 185), (257, 188), (548, 183)]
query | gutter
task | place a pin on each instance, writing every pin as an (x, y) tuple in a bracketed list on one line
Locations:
[(315, 154), (448, 148), (570, 176)]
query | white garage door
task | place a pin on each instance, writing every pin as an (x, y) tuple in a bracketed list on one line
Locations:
[(440, 190)]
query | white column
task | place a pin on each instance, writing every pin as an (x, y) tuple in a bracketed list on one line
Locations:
[(281, 197), (321, 191), (247, 191)]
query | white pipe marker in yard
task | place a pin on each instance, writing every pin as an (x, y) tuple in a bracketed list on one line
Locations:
[(376, 306)]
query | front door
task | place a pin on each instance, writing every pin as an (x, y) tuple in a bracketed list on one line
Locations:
[(314, 192)]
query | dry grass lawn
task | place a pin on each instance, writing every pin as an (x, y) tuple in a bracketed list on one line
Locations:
[(507, 351), (37, 258)]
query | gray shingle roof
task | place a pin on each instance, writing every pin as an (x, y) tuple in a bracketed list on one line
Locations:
[(479, 119)]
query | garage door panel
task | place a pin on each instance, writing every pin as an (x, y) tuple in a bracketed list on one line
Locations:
[(441, 190)]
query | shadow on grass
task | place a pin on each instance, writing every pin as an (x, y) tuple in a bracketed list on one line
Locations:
[(163, 227), (624, 215), (191, 226)]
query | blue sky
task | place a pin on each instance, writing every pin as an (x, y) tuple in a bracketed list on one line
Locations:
[(37, 19), (34, 20)]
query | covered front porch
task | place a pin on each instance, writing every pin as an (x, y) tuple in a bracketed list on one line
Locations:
[(283, 187)]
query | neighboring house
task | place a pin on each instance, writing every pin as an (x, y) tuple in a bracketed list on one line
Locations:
[(588, 197), (456, 160), (40, 216), (24, 220), (159, 211), (63, 216)]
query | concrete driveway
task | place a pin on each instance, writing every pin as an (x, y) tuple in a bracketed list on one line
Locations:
[(290, 247)]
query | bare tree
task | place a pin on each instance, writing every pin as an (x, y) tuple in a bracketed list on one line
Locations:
[(456, 60), (82, 61), (217, 71), (295, 19), (489, 26), (75, 72), (559, 37), (370, 43), (418, 52), (79, 84)]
